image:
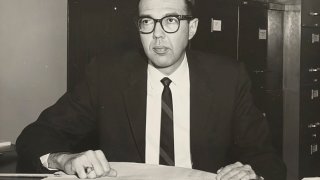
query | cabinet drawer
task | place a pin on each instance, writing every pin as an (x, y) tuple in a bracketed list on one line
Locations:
[(310, 56), (310, 47), (310, 103), (310, 76), (310, 13)]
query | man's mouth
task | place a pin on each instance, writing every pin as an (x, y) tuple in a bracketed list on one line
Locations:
[(160, 50)]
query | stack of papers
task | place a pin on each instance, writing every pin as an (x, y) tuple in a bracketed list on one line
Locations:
[(135, 171), (5, 146)]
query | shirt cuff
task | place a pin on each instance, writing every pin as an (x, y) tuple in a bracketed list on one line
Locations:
[(44, 161)]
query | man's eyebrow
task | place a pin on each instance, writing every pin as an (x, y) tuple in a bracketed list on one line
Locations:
[(167, 14), (145, 16), (170, 14)]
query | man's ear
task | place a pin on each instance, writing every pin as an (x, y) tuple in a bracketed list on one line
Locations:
[(193, 25)]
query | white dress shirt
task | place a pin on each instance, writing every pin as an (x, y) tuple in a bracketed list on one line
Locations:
[(180, 89)]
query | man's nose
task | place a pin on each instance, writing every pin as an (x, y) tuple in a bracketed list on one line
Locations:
[(158, 31)]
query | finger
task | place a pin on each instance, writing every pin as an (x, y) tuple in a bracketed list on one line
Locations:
[(103, 160), (112, 173), (87, 166), (254, 176), (105, 164), (77, 166), (68, 168), (235, 173), (239, 172), (91, 175), (247, 167), (251, 172), (242, 173), (97, 166), (219, 170), (246, 178), (250, 176), (227, 169)]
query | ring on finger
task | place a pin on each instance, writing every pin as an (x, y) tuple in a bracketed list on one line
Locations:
[(89, 169)]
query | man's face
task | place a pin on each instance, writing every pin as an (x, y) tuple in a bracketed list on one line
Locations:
[(166, 50)]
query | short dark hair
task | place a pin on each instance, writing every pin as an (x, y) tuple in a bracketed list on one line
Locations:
[(190, 6)]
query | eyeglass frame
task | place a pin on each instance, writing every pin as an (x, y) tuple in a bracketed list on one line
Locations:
[(179, 17)]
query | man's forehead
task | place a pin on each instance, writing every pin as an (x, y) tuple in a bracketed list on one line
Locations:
[(161, 7)]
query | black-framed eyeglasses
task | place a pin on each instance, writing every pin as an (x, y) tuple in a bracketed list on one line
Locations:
[(170, 24)]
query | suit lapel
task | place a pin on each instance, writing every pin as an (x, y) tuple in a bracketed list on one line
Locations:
[(135, 100), (201, 102)]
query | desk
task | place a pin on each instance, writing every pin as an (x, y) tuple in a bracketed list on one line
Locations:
[(141, 171), (8, 164)]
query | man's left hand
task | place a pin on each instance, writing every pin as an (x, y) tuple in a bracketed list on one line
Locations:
[(236, 171)]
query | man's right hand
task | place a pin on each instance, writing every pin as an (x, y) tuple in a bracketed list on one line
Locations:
[(88, 164)]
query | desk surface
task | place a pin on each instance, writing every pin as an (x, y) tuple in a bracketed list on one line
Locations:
[(8, 163), (141, 171)]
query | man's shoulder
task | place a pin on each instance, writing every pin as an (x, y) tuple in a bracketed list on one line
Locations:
[(212, 62), (117, 63), (123, 59)]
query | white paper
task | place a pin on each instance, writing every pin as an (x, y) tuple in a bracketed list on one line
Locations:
[(4, 146), (5, 143), (315, 38), (216, 25), (262, 34), (134, 171)]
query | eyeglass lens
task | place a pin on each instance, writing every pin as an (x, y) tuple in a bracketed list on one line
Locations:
[(169, 24)]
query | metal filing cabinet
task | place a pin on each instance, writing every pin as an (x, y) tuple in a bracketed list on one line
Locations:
[(310, 88), (249, 31), (260, 48), (217, 28), (302, 88), (310, 56)]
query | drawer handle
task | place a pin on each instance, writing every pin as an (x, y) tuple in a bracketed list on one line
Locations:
[(314, 69), (258, 71), (314, 125), (313, 14)]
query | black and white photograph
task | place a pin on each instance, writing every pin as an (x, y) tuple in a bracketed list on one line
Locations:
[(160, 89)]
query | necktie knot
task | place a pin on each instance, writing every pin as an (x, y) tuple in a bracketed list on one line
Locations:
[(166, 81)]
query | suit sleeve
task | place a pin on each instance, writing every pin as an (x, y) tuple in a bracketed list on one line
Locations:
[(251, 134), (61, 127)]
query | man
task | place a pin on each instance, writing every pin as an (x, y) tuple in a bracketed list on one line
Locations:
[(214, 124)]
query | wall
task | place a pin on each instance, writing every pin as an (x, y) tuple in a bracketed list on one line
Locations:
[(33, 60)]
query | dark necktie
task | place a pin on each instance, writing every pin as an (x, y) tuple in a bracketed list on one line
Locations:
[(166, 137)]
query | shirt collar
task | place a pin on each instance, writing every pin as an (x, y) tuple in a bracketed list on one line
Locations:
[(176, 77)]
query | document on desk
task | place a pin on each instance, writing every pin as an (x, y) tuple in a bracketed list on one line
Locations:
[(5, 146), (130, 171)]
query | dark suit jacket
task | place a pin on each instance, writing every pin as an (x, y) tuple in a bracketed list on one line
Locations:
[(225, 125)]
